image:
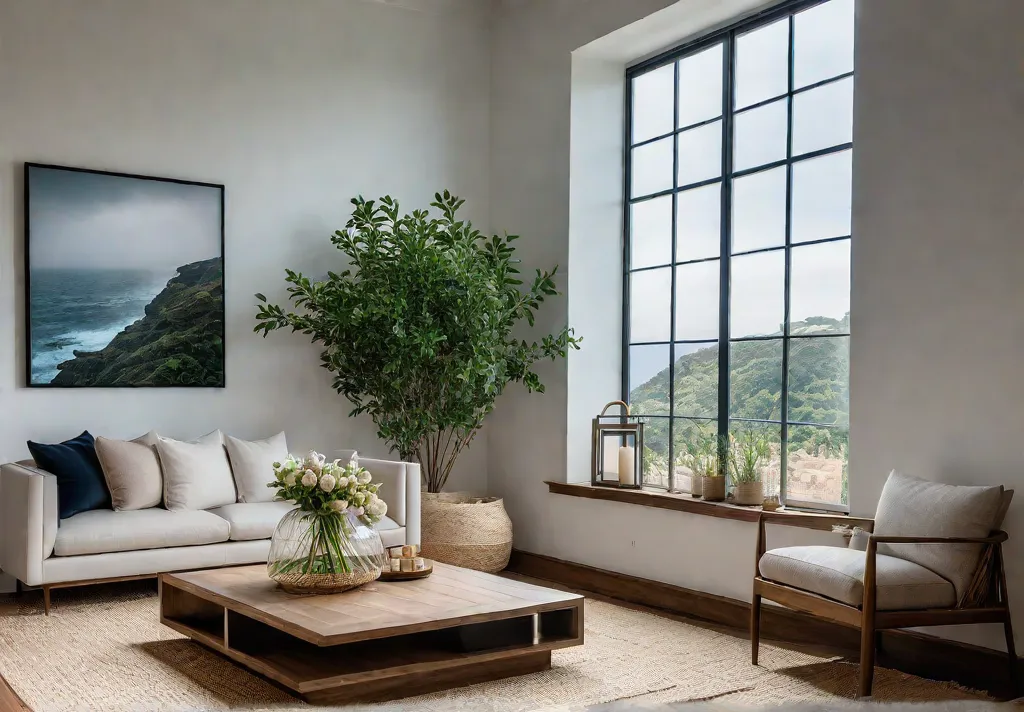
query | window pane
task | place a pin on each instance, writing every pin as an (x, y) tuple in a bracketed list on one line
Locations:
[(697, 297), (820, 284), (650, 305), (648, 379), (758, 283), (756, 451), (819, 380), (692, 440), (650, 232), (696, 380), (817, 464), (759, 210), (699, 223), (823, 117), (700, 154), (651, 170), (652, 104), (762, 64), (700, 86), (821, 197), (823, 42), (755, 379), (761, 135), (656, 453)]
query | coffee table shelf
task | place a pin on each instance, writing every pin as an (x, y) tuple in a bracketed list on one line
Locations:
[(383, 641)]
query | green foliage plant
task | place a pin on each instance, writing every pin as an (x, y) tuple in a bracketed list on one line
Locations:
[(750, 452), (702, 453), (418, 330)]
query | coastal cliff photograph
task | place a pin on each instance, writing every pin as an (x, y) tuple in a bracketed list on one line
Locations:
[(124, 280)]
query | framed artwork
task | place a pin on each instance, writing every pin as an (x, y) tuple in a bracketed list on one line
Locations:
[(124, 280)]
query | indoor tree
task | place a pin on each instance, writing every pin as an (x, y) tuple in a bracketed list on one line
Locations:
[(418, 330)]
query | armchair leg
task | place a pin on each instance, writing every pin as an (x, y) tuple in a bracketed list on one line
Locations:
[(1011, 654), (46, 600), (867, 659), (755, 628)]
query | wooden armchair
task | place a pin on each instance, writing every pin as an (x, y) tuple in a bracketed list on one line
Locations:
[(892, 592)]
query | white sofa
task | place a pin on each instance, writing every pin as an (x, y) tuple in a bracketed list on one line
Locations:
[(93, 546)]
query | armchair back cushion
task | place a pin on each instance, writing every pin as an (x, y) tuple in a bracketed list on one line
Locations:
[(913, 507)]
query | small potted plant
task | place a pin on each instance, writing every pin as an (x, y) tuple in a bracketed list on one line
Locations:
[(748, 456), (701, 455)]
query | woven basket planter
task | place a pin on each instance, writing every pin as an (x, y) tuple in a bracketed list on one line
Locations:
[(466, 531), (714, 489), (749, 493)]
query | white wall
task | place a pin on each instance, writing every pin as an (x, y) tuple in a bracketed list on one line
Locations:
[(937, 259), (295, 107)]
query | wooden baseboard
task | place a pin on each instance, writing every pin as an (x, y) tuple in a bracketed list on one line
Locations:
[(913, 653)]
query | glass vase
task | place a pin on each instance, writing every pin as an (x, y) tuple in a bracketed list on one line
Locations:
[(312, 552)]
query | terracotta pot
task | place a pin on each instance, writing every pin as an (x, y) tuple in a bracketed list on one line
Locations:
[(749, 494), (462, 530), (714, 489)]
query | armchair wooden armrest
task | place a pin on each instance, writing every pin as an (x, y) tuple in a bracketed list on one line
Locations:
[(996, 537)]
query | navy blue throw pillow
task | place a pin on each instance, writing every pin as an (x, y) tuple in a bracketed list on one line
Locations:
[(80, 484)]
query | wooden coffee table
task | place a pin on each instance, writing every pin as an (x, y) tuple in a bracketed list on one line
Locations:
[(382, 641)]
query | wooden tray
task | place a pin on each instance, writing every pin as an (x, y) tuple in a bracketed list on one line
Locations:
[(408, 575)]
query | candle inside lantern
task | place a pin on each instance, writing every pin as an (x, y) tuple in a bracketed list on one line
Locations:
[(626, 474)]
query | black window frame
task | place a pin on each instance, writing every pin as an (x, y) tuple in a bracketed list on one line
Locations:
[(727, 37)]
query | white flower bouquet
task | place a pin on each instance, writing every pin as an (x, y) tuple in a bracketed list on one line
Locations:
[(328, 543)]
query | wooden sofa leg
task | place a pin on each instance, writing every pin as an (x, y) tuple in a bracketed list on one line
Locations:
[(46, 600), (755, 628)]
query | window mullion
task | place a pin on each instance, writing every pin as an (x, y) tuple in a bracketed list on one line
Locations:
[(725, 247), (674, 305), (784, 396)]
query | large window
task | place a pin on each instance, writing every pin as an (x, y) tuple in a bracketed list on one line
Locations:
[(737, 250)]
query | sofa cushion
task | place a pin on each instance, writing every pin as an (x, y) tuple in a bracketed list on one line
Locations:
[(104, 530), (131, 469), (838, 573), (80, 484), (257, 520), (253, 520), (252, 464), (391, 533), (910, 506), (197, 474)]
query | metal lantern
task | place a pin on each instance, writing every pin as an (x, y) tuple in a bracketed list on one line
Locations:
[(618, 449)]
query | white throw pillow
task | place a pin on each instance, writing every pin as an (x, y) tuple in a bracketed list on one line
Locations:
[(252, 463), (132, 471), (197, 474)]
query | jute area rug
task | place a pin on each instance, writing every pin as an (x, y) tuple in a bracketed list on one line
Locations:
[(103, 648)]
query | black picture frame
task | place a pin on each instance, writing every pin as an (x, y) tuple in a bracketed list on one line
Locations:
[(211, 378)]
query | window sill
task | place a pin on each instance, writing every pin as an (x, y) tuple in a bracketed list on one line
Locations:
[(694, 505)]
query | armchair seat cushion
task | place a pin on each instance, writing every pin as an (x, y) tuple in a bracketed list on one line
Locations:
[(838, 573), (103, 531)]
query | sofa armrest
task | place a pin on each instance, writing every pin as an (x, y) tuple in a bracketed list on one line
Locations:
[(28, 505), (400, 488)]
